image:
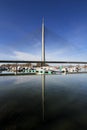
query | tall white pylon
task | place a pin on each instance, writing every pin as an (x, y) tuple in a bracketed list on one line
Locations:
[(43, 41)]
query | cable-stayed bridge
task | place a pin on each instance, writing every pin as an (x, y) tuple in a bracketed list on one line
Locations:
[(57, 40)]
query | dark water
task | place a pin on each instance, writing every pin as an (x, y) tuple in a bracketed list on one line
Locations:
[(54, 102)]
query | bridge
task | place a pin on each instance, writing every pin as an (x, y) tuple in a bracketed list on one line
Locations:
[(57, 62), (43, 61)]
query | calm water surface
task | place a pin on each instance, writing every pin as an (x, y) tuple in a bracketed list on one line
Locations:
[(55, 102)]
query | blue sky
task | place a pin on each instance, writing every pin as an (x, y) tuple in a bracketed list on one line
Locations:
[(65, 32)]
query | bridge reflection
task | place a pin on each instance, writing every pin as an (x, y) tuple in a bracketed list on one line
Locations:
[(43, 97)]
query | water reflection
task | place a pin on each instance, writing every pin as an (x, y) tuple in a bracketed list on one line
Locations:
[(43, 97), (43, 102)]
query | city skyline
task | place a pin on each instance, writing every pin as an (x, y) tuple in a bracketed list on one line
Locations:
[(20, 29)]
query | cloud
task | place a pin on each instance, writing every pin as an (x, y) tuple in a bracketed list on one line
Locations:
[(37, 44), (18, 55), (63, 54), (66, 54), (4, 56)]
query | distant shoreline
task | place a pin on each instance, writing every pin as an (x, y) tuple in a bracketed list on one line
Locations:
[(21, 74)]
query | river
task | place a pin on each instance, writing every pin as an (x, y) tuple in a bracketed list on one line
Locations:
[(55, 102)]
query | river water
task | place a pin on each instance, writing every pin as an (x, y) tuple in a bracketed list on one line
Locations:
[(55, 102)]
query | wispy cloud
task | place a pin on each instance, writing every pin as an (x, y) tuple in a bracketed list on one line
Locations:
[(60, 54), (4, 56), (65, 53), (37, 44), (18, 55)]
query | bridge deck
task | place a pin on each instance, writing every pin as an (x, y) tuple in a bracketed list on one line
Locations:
[(58, 62)]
